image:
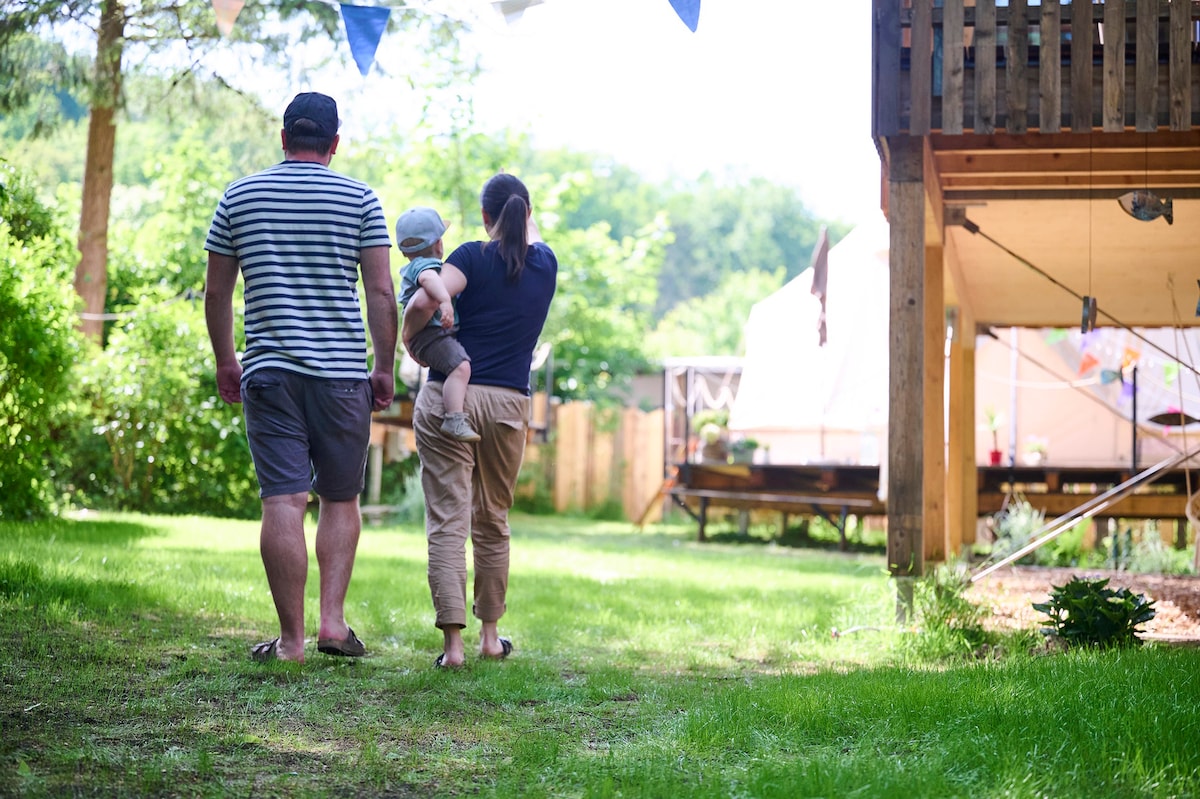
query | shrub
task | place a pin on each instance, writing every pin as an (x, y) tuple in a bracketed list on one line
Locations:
[(1089, 613), (38, 347), (1150, 555), (158, 437)]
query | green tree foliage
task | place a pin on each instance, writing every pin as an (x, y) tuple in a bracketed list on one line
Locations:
[(38, 344), (598, 189), (40, 85), (158, 37), (721, 229), (713, 324), (159, 226), (605, 296)]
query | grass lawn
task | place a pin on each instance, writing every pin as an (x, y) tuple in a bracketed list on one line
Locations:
[(646, 665)]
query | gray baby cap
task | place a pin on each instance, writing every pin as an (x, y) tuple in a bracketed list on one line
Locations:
[(418, 228)]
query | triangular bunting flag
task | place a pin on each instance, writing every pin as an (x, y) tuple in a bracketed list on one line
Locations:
[(512, 10), (227, 13), (1056, 335), (1126, 393), (1109, 376), (364, 29), (688, 11), (1170, 373), (1087, 363)]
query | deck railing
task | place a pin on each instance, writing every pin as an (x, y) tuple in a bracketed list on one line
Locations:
[(955, 66)]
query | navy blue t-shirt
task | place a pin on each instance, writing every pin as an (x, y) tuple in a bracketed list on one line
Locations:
[(500, 321)]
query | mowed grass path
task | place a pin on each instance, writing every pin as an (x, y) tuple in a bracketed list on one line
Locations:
[(646, 665)]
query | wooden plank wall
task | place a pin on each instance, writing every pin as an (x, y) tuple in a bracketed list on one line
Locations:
[(1033, 92)]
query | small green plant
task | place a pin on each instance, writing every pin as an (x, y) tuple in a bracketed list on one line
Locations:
[(1089, 613), (1014, 527), (951, 624)]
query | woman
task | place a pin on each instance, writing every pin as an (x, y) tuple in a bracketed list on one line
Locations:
[(505, 286)]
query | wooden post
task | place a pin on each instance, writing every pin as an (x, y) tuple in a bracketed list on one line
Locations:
[(970, 483), (906, 319), (933, 408), (959, 418)]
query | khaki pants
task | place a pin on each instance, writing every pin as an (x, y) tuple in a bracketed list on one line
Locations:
[(468, 493)]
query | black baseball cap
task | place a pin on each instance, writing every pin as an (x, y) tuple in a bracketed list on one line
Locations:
[(319, 109)]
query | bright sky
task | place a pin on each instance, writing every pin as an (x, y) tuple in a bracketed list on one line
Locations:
[(773, 88), (777, 88)]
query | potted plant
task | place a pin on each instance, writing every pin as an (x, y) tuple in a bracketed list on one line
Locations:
[(1035, 451), (742, 450), (993, 420), (712, 428)]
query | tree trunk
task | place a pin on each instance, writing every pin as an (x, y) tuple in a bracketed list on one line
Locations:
[(91, 276)]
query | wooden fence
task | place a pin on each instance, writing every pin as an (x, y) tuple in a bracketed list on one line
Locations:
[(590, 460), (602, 460)]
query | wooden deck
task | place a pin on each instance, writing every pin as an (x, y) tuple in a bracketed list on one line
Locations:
[(833, 492)]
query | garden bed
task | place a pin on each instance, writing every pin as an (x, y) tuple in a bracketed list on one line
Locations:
[(1009, 594)]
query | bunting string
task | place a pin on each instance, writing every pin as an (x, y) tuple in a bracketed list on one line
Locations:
[(365, 24), (971, 227)]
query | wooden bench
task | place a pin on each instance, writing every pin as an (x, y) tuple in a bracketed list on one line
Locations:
[(745, 501)]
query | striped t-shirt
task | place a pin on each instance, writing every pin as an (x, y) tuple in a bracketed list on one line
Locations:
[(297, 229)]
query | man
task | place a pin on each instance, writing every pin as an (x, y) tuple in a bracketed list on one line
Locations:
[(299, 232)]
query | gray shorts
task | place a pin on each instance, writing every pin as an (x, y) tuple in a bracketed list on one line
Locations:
[(307, 432), (438, 349)]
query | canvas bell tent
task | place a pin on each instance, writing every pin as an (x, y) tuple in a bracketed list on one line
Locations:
[(808, 402)]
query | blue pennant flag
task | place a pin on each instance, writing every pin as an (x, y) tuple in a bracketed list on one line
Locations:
[(688, 11), (364, 28)]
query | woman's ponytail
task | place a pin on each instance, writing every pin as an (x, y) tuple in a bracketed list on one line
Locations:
[(506, 201)]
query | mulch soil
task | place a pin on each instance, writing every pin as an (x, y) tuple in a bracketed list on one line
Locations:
[(1008, 594)]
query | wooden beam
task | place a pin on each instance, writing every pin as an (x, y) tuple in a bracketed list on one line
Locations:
[(1098, 142), (906, 319), (1079, 162), (1049, 183), (934, 206), (987, 195), (1136, 506)]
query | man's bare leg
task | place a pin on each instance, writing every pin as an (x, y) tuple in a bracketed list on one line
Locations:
[(338, 528), (285, 557)]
